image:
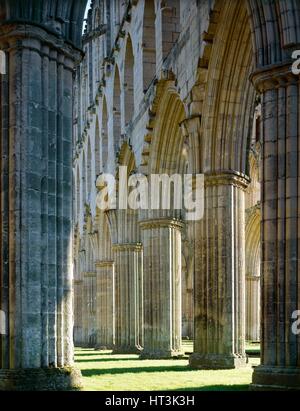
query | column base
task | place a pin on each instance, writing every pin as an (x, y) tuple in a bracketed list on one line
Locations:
[(126, 350), (161, 355), (275, 379), (216, 361), (41, 379)]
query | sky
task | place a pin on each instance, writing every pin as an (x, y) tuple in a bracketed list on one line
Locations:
[(86, 12)]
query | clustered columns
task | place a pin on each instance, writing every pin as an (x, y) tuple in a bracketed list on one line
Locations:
[(280, 357), (220, 275), (128, 281), (253, 308), (162, 288), (128, 298), (36, 210), (105, 313), (88, 317)]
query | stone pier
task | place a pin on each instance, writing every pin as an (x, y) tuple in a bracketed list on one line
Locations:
[(162, 288), (220, 275), (128, 298), (280, 368), (253, 308), (36, 209), (105, 305)]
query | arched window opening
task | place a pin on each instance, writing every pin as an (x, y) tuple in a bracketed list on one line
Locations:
[(129, 82), (149, 44), (117, 109), (170, 25)]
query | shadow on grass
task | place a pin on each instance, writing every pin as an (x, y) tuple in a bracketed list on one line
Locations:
[(138, 370), (112, 359), (96, 354), (215, 388)]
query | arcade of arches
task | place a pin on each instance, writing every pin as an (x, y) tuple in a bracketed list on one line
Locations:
[(160, 86)]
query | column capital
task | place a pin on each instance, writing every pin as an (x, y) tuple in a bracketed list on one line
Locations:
[(38, 39), (104, 264), (161, 223), (128, 247), (227, 178), (273, 76)]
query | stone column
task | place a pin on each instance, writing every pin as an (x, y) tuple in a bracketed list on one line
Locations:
[(220, 275), (252, 308), (78, 332), (162, 288), (105, 305), (280, 345), (89, 309), (36, 210), (128, 298)]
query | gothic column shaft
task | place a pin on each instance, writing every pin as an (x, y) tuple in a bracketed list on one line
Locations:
[(89, 308), (253, 308), (78, 313), (105, 304), (280, 229), (128, 297), (162, 288), (220, 275), (36, 206)]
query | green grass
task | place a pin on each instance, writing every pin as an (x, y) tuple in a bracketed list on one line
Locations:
[(103, 371)]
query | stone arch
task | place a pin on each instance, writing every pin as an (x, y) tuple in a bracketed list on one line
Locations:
[(225, 134), (168, 139), (170, 17), (230, 96), (117, 109), (129, 82), (149, 44)]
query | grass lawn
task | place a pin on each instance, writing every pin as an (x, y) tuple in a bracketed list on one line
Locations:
[(103, 371)]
